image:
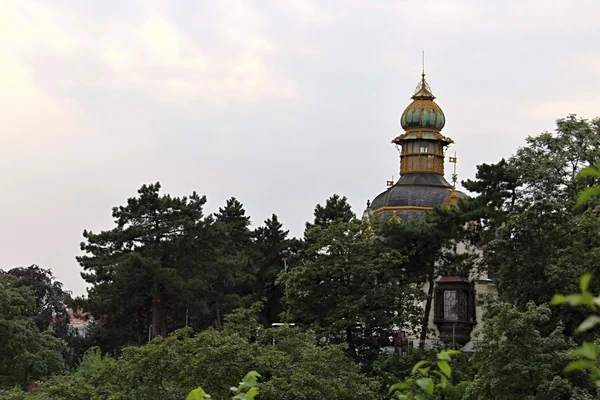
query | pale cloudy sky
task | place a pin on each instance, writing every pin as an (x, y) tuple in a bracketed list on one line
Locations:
[(280, 103)]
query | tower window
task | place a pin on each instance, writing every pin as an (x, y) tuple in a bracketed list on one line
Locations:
[(450, 307), (454, 301)]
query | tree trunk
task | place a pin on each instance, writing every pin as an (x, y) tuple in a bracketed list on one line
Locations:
[(428, 302), (159, 318), (218, 322), (350, 341), (162, 319)]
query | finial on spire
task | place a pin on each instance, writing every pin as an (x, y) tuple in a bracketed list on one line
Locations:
[(423, 91), (454, 196), (454, 175)]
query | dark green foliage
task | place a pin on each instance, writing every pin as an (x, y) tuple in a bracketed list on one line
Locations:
[(350, 287), (26, 354), (271, 248), (228, 280), (143, 266), (533, 239), (51, 300), (51, 305), (336, 209)]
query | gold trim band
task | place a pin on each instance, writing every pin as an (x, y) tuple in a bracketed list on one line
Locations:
[(402, 208)]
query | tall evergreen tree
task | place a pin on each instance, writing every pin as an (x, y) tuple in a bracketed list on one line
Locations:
[(336, 209), (229, 277), (138, 269), (271, 245)]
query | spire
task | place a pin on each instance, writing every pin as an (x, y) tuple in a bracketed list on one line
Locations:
[(423, 91)]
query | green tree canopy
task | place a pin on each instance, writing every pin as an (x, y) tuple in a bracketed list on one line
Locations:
[(25, 353), (523, 356), (350, 287), (336, 208), (289, 361), (271, 252), (140, 269)]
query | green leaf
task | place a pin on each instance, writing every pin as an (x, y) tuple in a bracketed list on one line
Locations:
[(558, 299), (588, 194), (444, 382), (443, 379), (586, 350), (250, 380), (573, 299), (579, 365), (426, 384), (443, 355), (398, 386), (197, 394), (589, 323), (584, 283), (417, 366), (252, 393), (593, 171), (445, 368)]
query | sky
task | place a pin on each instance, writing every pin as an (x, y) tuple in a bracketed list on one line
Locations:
[(279, 103)]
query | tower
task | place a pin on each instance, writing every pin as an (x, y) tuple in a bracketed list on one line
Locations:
[(422, 148), (422, 186)]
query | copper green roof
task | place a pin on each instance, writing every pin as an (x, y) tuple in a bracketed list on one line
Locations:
[(423, 112)]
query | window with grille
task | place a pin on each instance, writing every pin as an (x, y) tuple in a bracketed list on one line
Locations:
[(454, 302)]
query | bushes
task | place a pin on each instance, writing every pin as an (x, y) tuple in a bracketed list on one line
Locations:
[(290, 362)]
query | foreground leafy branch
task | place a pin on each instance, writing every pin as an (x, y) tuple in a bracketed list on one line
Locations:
[(247, 389), (425, 377), (585, 357)]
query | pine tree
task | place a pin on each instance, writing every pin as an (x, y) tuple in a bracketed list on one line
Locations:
[(270, 246), (230, 280), (136, 269), (336, 209)]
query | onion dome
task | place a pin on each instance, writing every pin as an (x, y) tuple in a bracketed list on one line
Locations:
[(423, 112), (421, 185)]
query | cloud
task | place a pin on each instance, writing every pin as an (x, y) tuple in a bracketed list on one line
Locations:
[(146, 53), (306, 10), (30, 114), (177, 69), (161, 39), (586, 108), (26, 25)]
